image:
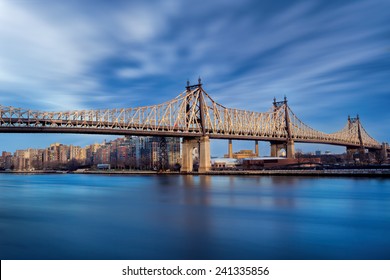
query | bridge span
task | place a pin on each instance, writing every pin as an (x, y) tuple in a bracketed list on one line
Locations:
[(196, 118)]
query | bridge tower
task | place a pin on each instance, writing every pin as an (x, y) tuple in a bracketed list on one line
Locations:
[(352, 122), (203, 142), (288, 145)]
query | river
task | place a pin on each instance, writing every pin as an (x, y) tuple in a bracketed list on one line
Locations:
[(70, 216)]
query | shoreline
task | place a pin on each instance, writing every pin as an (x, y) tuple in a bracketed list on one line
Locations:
[(376, 173)]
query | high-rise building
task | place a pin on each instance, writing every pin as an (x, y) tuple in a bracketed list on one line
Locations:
[(126, 152), (173, 144), (21, 160)]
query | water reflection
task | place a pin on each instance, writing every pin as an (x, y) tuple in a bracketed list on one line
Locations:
[(193, 217), (285, 181)]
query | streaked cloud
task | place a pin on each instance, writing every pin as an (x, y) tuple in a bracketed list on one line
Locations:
[(330, 58)]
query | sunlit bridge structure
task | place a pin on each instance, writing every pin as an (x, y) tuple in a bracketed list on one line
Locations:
[(196, 118)]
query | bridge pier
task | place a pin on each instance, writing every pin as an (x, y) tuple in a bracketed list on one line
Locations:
[(351, 151), (275, 148), (204, 154), (288, 146), (187, 146), (203, 145), (384, 151), (290, 151)]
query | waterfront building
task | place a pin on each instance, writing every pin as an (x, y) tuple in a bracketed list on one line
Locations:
[(21, 160), (3, 159), (153, 147), (7, 160), (224, 163), (64, 154), (173, 145), (125, 152), (279, 162), (103, 155), (77, 153)]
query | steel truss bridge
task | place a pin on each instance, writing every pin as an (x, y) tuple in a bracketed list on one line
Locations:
[(194, 116)]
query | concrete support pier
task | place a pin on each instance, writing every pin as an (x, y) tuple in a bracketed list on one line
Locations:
[(350, 152), (288, 146), (204, 154), (385, 147), (275, 148), (203, 145), (290, 151), (188, 145)]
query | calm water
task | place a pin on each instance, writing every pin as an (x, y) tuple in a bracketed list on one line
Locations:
[(193, 217)]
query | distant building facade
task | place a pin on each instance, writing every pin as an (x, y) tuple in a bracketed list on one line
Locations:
[(127, 152), (242, 154)]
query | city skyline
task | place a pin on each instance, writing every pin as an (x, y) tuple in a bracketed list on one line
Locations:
[(331, 60), (105, 141), (130, 152)]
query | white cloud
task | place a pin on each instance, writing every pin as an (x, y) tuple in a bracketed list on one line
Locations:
[(136, 25), (306, 50), (44, 59), (52, 55)]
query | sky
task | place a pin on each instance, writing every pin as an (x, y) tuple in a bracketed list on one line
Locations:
[(330, 58)]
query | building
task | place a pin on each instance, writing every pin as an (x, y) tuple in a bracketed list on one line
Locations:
[(279, 162), (102, 155), (224, 163), (126, 152), (242, 154), (5, 160), (153, 151), (21, 160)]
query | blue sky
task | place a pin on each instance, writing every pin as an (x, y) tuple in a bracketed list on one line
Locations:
[(330, 58)]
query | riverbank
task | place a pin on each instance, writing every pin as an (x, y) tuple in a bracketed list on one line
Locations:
[(383, 173), (325, 173), (141, 172)]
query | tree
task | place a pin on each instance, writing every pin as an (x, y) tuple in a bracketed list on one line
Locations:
[(380, 157), (73, 165), (299, 156)]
